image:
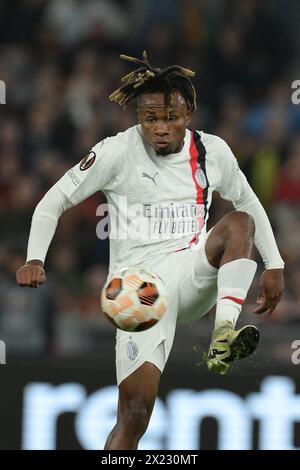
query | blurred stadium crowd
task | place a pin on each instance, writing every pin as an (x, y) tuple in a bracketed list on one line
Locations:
[(60, 61)]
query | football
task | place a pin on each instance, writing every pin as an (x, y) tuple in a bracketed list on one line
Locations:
[(134, 299)]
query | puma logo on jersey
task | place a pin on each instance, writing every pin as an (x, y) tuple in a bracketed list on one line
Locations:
[(145, 175)]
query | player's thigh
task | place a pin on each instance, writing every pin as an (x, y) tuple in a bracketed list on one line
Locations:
[(198, 289)]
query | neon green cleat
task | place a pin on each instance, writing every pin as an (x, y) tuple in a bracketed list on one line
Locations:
[(229, 345)]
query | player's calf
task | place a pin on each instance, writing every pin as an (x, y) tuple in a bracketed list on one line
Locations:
[(133, 420), (137, 394)]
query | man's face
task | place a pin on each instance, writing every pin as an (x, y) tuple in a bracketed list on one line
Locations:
[(162, 130)]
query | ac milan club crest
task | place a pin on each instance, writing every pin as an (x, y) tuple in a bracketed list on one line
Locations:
[(132, 350), (201, 178)]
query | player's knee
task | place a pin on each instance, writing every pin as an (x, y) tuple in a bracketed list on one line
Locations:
[(241, 222), (135, 415)]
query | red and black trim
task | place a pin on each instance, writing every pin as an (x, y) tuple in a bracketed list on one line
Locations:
[(234, 299), (201, 159), (198, 168), (198, 162)]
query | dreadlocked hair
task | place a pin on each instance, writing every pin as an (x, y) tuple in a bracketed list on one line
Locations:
[(148, 79)]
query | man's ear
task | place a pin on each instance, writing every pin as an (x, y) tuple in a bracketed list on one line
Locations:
[(189, 117)]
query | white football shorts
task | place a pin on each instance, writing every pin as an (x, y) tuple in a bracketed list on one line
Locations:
[(192, 286)]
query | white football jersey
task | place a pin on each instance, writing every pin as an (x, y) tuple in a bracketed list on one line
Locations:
[(157, 204)]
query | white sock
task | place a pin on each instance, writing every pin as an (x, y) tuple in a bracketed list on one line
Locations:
[(234, 281)]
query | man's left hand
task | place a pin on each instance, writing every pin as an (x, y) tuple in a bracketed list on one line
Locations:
[(271, 288)]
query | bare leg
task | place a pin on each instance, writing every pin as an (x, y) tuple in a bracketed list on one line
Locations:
[(231, 239), (137, 394)]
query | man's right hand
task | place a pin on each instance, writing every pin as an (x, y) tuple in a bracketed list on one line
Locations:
[(32, 274)]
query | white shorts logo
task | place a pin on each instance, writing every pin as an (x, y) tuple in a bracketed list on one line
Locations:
[(132, 350)]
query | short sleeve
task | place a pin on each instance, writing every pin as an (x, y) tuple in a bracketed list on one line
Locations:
[(232, 181), (95, 172)]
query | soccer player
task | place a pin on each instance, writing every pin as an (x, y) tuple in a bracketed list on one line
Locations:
[(170, 173)]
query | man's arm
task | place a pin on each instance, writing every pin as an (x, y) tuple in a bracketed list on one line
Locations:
[(43, 226), (272, 280), (264, 237), (95, 172), (234, 186)]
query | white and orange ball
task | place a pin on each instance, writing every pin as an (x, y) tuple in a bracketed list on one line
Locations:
[(134, 299)]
